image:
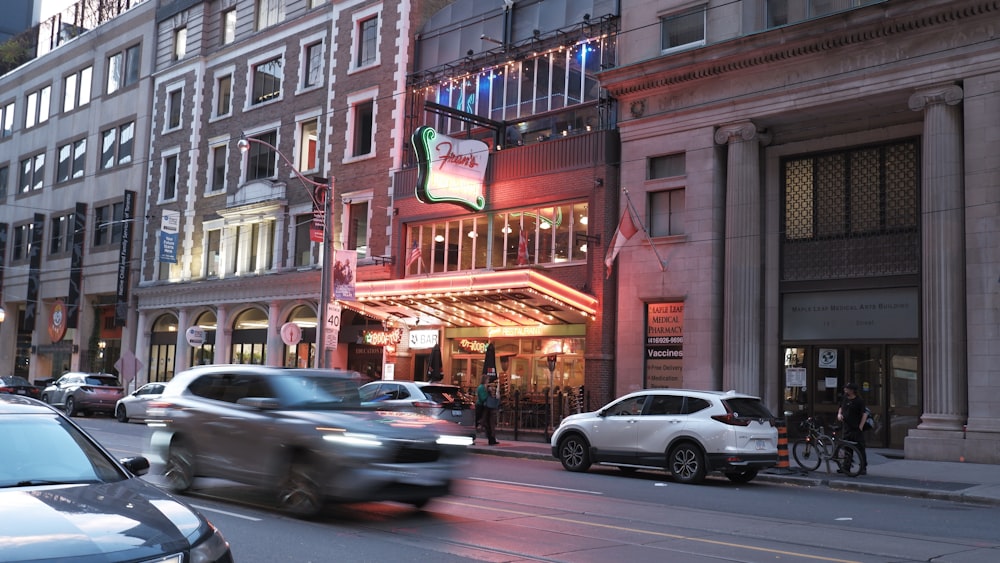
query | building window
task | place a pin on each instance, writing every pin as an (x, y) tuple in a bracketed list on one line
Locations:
[(270, 12), (362, 125), (684, 30), (37, 110), (357, 229), (213, 242), (174, 106), (312, 58), (266, 81), (32, 173), (180, 43), (76, 89), (666, 166), (21, 249), (219, 154), (228, 26), (123, 69), (116, 145), (303, 241), (72, 157), (776, 13), (261, 159), (108, 224), (252, 248), (4, 174), (367, 42), (666, 213), (61, 236), (224, 95), (7, 120), (308, 143), (169, 192)]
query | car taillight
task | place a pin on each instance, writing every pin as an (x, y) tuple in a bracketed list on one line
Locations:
[(427, 404), (731, 419), (5, 389)]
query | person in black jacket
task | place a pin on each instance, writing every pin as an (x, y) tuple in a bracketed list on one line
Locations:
[(853, 415)]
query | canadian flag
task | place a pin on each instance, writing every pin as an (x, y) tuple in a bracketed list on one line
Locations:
[(522, 250), (626, 230)]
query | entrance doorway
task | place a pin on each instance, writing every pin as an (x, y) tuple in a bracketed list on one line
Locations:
[(887, 376)]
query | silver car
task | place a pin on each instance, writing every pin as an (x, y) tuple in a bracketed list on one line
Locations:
[(134, 405), (685, 432), (84, 393), (445, 402), (303, 434)]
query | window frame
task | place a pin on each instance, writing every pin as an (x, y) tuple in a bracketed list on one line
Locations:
[(227, 32), (38, 106), (213, 179), (125, 72), (7, 119), (257, 151), (220, 96), (180, 42), (175, 109), (356, 102), (169, 175), (255, 99), (108, 227), (76, 164), (78, 93), (307, 161), (35, 177), (365, 52), (61, 233), (701, 10), (117, 145), (268, 13)]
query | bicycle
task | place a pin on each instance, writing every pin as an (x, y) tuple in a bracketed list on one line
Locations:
[(818, 446)]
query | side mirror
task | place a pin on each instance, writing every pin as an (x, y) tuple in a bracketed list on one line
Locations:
[(137, 465)]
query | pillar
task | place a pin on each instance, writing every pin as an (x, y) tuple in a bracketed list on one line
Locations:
[(742, 329)]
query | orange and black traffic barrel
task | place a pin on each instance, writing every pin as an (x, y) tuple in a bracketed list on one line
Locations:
[(782, 445)]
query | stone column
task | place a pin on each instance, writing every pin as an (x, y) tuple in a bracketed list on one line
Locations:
[(275, 347), (223, 336), (141, 348), (182, 357), (944, 370), (742, 339)]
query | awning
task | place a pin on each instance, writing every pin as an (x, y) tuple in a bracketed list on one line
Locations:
[(509, 298)]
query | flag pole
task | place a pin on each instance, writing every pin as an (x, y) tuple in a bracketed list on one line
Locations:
[(642, 227)]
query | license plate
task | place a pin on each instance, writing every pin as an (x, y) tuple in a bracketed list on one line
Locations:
[(456, 412), (22, 392), (760, 444)]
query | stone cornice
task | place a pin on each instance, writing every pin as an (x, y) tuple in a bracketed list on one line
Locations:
[(878, 21), (284, 286)]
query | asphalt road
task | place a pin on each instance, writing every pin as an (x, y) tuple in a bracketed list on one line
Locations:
[(508, 509)]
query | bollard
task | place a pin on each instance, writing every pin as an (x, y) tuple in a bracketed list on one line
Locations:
[(782, 445)]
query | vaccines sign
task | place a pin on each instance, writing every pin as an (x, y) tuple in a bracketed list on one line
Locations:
[(664, 345)]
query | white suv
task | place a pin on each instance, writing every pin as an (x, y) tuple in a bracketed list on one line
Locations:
[(685, 432)]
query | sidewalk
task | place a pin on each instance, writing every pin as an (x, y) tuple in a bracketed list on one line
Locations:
[(887, 474)]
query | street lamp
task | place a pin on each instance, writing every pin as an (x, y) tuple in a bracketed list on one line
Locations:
[(323, 311)]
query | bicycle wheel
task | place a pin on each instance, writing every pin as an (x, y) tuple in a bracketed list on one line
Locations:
[(806, 454), (848, 459)]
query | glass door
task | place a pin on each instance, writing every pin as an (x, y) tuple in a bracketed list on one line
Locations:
[(868, 372), (905, 401)]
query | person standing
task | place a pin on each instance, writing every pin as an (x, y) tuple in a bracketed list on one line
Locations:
[(853, 415), (481, 394), (491, 403)]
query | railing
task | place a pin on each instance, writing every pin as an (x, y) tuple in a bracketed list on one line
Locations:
[(530, 412)]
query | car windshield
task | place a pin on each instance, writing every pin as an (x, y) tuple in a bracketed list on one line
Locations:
[(106, 380), (14, 380), (312, 392), (745, 407), (41, 449)]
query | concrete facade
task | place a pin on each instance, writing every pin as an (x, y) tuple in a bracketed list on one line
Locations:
[(755, 94)]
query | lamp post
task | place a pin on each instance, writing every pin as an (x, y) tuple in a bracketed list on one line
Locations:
[(325, 294)]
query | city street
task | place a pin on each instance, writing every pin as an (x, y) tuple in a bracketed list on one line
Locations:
[(509, 509)]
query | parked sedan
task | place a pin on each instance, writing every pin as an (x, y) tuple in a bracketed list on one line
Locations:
[(17, 385), (84, 393), (686, 432), (134, 405), (444, 402), (65, 498), (301, 433)]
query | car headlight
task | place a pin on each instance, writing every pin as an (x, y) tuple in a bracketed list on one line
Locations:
[(448, 440), (213, 549), (354, 439)]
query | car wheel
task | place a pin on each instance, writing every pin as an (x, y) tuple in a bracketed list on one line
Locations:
[(574, 453), (687, 464), (71, 407), (178, 471), (742, 476), (121, 414), (299, 494)]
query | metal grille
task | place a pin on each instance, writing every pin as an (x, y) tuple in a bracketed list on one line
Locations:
[(852, 213)]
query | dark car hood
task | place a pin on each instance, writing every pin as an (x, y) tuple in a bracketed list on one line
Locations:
[(126, 520), (383, 423)]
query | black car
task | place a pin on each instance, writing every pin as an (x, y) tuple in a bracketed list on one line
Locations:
[(17, 385), (65, 498)]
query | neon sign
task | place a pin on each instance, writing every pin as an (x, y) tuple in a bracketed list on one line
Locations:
[(383, 337), (450, 170)]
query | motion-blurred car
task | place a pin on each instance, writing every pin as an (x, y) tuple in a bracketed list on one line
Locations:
[(17, 385), (84, 393), (301, 433), (444, 402), (65, 498), (134, 405), (686, 432)]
